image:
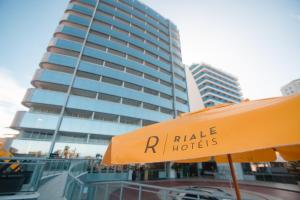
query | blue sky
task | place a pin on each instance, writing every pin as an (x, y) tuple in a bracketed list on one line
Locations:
[(256, 40)]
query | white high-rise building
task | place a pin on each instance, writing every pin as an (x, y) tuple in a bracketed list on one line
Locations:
[(291, 88), (215, 86)]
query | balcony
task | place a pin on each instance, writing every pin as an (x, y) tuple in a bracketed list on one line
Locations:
[(44, 121)]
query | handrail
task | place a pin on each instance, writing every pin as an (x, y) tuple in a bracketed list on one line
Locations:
[(167, 189), (43, 158)]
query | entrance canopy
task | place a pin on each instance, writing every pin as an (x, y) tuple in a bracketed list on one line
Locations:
[(251, 131)]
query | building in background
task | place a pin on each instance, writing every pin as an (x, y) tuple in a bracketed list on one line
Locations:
[(111, 67), (291, 88), (216, 86)]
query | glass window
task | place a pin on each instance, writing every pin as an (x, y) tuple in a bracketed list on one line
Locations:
[(150, 91), (114, 66), (111, 81), (108, 97), (132, 86)]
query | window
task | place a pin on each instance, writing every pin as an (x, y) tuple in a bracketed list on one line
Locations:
[(163, 25), (179, 88), (92, 60), (180, 100), (125, 3), (152, 78), (108, 97), (175, 47), (151, 44), (132, 58), (77, 113), (130, 120), (164, 34), (102, 35), (150, 106), (152, 26), (104, 14), (176, 56), (80, 14), (179, 77), (117, 53), (151, 54), (72, 137), (96, 46), (179, 67), (150, 91), (66, 52), (164, 42), (138, 18), (68, 37), (100, 23), (136, 37), (111, 81), (136, 48), (121, 30), (87, 75), (149, 16), (134, 72), (83, 93), (165, 71), (165, 51), (123, 12), (106, 117), (118, 41), (120, 20), (165, 96), (132, 86), (152, 35), (83, 4), (137, 27), (139, 11), (147, 122), (114, 66), (131, 102), (165, 83), (166, 111), (151, 65), (107, 4), (164, 61)]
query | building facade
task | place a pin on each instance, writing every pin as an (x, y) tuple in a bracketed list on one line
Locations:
[(215, 86), (111, 67), (292, 87)]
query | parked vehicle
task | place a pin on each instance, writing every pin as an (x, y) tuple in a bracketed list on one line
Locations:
[(203, 193)]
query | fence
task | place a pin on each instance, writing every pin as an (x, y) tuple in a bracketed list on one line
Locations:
[(78, 189), (24, 174)]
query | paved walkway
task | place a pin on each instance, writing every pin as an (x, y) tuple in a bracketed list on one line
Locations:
[(53, 189), (266, 189)]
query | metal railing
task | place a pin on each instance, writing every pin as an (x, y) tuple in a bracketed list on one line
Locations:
[(26, 179), (74, 186), (30, 172), (130, 190), (78, 189)]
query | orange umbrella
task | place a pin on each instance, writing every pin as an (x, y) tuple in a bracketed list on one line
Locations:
[(229, 132)]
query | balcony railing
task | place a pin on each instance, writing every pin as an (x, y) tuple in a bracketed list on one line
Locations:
[(24, 175)]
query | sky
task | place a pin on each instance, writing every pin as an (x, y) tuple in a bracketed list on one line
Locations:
[(255, 40)]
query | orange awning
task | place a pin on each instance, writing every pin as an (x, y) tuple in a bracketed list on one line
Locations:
[(249, 131)]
